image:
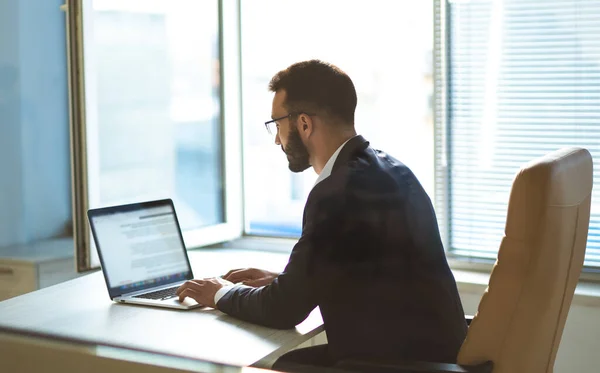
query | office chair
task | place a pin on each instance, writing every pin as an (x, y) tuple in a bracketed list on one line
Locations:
[(521, 316)]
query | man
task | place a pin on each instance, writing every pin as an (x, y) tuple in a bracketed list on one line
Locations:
[(370, 255)]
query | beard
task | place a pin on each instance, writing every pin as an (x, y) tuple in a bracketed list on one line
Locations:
[(297, 154)]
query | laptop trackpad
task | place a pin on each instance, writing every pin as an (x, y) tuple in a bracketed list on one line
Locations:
[(187, 302)]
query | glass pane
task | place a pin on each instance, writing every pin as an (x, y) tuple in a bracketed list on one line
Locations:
[(153, 106), (385, 46)]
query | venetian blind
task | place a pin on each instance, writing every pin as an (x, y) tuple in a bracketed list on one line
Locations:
[(522, 80)]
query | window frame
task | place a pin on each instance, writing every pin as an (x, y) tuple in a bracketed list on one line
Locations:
[(80, 126)]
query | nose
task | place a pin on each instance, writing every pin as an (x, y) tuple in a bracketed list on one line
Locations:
[(277, 139)]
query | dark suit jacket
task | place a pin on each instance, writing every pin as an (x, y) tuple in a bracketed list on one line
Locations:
[(370, 256)]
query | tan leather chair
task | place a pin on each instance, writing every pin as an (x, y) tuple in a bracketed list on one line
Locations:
[(522, 314)]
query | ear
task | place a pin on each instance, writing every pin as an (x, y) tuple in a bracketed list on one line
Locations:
[(305, 125)]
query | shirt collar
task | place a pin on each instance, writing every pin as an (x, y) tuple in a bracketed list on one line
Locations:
[(326, 171)]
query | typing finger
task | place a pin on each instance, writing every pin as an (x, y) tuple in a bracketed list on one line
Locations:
[(189, 293), (239, 276), (230, 272), (191, 284)]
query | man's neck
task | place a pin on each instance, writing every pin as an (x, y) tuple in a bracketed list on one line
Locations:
[(328, 148)]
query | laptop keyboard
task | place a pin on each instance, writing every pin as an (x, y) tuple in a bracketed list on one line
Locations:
[(160, 294)]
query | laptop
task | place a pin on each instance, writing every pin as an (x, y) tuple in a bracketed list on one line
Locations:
[(142, 253)]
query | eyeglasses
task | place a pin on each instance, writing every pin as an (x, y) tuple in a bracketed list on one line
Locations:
[(270, 123)]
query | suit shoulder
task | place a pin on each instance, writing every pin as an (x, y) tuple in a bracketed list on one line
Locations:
[(368, 177)]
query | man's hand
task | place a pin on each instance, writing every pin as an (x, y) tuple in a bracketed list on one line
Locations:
[(251, 276), (202, 291)]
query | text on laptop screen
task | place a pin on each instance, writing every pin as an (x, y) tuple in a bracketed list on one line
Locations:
[(140, 247)]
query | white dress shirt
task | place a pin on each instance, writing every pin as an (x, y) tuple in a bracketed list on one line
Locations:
[(325, 172)]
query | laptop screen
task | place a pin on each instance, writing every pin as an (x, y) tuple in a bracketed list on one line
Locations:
[(140, 246)]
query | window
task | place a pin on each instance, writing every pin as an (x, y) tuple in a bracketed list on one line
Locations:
[(384, 46), (523, 80), (153, 115)]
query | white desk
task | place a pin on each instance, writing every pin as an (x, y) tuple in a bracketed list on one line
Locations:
[(81, 309)]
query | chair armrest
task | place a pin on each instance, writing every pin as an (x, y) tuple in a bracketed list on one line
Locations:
[(412, 367), (469, 318)]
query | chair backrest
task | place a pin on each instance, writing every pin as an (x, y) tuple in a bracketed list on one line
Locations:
[(522, 314)]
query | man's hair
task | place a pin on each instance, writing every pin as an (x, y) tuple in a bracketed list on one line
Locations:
[(317, 87)]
